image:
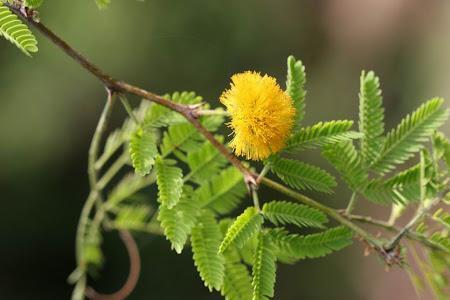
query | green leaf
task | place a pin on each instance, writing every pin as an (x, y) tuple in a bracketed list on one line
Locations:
[(178, 221), (442, 217), (122, 135), (295, 86), (223, 192), (282, 212), (204, 163), (15, 31), (143, 150), (159, 116), (264, 269), (371, 116), (321, 134), (408, 138), (234, 253), (303, 176), (237, 282), (132, 217), (246, 225), (182, 137), (92, 254), (205, 240), (312, 245), (348, 163), (127, 187), (185, 136), (441, 147), (170, 182), (401, 188), (103, 4), (33, 3)]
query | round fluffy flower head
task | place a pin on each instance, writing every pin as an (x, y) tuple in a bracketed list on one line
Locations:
[(262, 115)]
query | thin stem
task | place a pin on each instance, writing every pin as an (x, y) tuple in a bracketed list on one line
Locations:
[(94, 196), (212, 112), (106, 156), (133, 276), (328, 210), (264, 172), (190, 113), (421, 212), (256, 199), (127, 106), (351, 204), (96, 139), (411, 235), (112, 171), (119, 86), (81, 230)]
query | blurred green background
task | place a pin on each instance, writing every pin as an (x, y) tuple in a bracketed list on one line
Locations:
[(49, 108)]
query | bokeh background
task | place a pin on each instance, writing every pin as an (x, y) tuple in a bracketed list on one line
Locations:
[(49, 107)]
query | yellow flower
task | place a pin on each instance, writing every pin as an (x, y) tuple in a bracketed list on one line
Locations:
[(262, 115)]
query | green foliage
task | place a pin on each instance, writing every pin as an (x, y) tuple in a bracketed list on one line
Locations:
[(204, 163), (237, 282), (182, 137), (371, 116), (170, 182), (264, 269), (143, 150), (15, 31), (246, 225), (321, 134), (92, 252), (295, 86), (282, 212), (441, 147), (302, 176), (401, 188), (160, 116), (312, 245), (223, 192), (348, 163), (127, 187), (194, 206), (437, 274), (132, 217), (33, 3), (102, 4), (205, 240), (442, 217), (179, 220), (122, 135), (408, 138)]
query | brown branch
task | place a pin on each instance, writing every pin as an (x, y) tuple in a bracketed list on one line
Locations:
[(410, 235), (190, 113), (135, 269)]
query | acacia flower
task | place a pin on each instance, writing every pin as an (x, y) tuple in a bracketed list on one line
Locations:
[(262, 115)]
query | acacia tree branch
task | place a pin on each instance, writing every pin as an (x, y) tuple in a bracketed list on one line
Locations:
[(189, 112), (326, 209), (421, 213), (389, 227)]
